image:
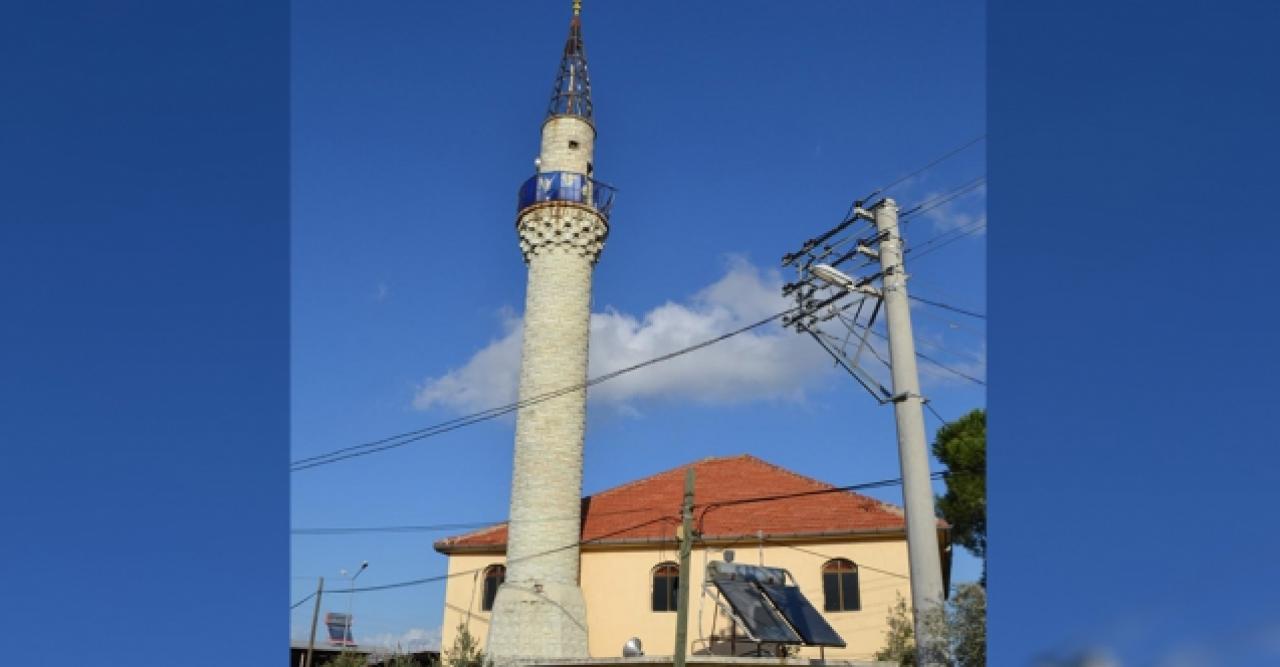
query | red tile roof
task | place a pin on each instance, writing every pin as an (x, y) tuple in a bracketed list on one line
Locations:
[(648, 509)]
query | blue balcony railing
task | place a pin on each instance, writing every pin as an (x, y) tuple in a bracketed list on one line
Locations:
[(566, 186)]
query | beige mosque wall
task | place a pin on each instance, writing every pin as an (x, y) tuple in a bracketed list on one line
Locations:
[(616, 585)]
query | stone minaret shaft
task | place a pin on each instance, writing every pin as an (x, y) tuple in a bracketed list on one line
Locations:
[(562, 223)]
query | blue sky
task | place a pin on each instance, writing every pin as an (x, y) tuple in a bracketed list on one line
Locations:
[(1132, 489), (732, 137)]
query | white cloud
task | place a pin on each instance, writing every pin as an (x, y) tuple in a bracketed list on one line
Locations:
[(488, 380), (1093, 657), (1189, 655), (970, 362), (1098, 658), (382, 293), (768, 363), (959, 213), (1267, 639), (413, 639)]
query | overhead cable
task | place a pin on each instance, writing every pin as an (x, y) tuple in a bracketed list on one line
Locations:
[(666, 516), (935, 162), (944, 306), (970, 232), (941, 199), (402, 439), (299, 602)]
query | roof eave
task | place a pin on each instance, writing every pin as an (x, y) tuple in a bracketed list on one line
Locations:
[(882, 531)]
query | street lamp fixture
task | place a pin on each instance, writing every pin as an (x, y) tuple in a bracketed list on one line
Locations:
[(347, 639), (833, 276)]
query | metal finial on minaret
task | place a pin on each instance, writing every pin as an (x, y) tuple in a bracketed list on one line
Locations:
[(572, 93)]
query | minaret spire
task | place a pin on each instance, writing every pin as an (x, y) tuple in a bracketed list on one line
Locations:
[(572, 93)]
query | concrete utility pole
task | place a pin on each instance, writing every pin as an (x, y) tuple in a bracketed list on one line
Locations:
[(927, 591), (315, 616), (913, 454), (682, 593)]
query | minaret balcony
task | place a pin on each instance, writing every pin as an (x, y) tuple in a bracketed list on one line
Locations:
[(566, 186)]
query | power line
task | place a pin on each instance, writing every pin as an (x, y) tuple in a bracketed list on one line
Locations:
[(945, 292), (939, 200), (402, 439), (949, 369), (443, 577), (669, 516), (955, 231), (487, 524), (853, 369), (801, 494), (934, 412), (944, 306), (942, 240), (951, 323), (872, 349), (849, 219), (299, 602), (945, 156), (921, 355), (970, 232), (389, 529), (440, 527), (826, 557)]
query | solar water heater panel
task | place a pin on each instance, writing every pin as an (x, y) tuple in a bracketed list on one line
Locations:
[(762, 621), (813, 628)]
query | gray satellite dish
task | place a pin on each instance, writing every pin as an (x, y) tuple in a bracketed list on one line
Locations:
[(632, 649)]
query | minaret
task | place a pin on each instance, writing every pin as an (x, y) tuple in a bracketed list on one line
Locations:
[(562, 223)]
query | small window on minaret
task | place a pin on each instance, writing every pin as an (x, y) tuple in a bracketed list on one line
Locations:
[(573, 145)]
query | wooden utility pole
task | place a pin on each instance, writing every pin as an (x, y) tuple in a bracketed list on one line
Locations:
[(315, 616), (682, 594)]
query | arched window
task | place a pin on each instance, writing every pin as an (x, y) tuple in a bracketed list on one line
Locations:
[(840, 586), (494, 575), (666, 581)]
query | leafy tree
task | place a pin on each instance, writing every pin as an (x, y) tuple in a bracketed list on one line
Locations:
[(962, 447), (466, 651), (958, 631), (403, 660), (900, 638), (347, 659), (968, 625)]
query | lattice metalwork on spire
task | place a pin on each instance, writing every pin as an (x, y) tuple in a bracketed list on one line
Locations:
[(572, 94)]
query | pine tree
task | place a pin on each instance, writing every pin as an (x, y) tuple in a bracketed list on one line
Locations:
[(962, 447)]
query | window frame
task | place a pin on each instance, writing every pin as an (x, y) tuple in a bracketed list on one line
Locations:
[(664, 570), (843, 572), (498, 572)]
